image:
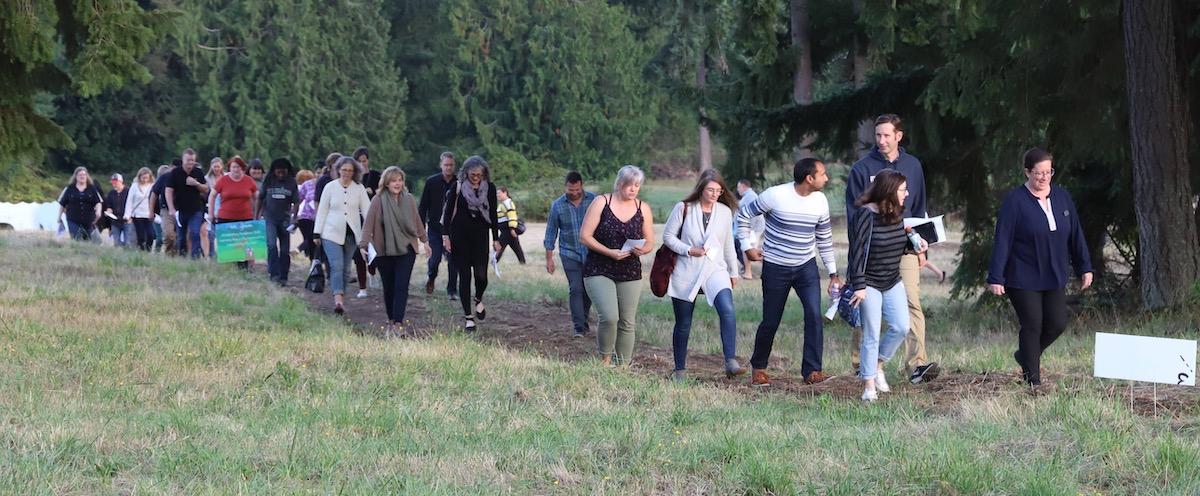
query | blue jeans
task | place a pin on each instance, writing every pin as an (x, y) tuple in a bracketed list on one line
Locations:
[(578, 299), (777, 283), (79, 231), (122, 233), (683, 326), (394, 274), (279, 246), (435, 260), (192, 222), (891, 304), (340, 255)]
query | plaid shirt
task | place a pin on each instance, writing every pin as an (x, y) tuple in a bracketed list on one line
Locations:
[(564, 222)]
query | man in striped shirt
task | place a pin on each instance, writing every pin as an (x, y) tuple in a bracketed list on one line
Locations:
[(798, 228), (563, 223)]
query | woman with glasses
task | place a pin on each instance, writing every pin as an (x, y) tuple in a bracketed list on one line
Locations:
[(1038, 240), (338, 227), (700, 231), (469, 221)]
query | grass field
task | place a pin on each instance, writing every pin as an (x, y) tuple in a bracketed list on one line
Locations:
[(129, 373)]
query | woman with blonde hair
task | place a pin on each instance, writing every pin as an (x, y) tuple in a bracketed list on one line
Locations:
[(81, 201), (612, 274), (338, 227), (138, 211), (394, 228)]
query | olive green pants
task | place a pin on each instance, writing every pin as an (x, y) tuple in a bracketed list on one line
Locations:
[(616, 309)]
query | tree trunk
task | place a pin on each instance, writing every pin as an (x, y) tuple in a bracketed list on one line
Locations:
[(1167, 253), (705, 140), (866, 128), (802, 77)]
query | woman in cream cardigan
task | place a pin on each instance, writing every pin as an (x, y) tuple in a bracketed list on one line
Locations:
[(393, 228), (339, 225), (706, 261)]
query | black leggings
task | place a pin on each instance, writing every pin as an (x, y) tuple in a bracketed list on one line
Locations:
[(508, 240), (471, 248), (1043, 317), (144, 230)]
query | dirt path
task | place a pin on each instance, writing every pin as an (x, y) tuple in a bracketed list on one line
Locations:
[(509, 328)]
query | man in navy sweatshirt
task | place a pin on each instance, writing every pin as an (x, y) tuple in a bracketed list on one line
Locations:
[(888, 154)]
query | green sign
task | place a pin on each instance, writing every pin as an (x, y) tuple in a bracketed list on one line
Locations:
[(242, 241)]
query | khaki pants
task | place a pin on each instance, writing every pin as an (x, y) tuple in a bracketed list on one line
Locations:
[(168, 230), (914, 342)]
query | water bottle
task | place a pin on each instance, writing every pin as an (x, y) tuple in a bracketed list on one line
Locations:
[(835, 292), (914, 237)]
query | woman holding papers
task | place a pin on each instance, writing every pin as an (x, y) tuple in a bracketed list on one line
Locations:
[(874, 274), (617, 230), (1038, 239), (393, 228), (700, 231), (469, 221)]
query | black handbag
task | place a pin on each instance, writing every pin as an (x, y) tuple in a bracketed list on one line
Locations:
[(520, 227), (849, 311), (316, 274)]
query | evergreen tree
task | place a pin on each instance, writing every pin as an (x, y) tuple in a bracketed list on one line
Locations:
[(297, 78), (64, 47)]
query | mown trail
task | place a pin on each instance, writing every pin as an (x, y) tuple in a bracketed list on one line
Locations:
[(517, 325)]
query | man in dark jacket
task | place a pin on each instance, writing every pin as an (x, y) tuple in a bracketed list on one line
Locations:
[(433, 199), (888, 154), (114, 209)]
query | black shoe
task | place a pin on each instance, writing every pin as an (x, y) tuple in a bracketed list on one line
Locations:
[(925, 373), (469, 325), (578, 334), (480, 314)]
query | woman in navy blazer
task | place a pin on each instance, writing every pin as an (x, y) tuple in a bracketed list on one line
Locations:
[(1038, 239)]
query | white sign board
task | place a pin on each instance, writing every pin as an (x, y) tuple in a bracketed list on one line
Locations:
[(1146, 359)]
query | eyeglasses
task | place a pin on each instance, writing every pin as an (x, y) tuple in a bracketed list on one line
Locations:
[(1049, 173), (475, 175), (714, 191), (348, 171)]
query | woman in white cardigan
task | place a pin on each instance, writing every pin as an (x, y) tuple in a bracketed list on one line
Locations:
[(137, 208), (706, 261), (339, 225)]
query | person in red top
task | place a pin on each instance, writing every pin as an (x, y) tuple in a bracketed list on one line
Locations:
[(238, 197)]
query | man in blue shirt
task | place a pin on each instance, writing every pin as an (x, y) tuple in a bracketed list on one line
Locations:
[(888, 154), (564, 222)]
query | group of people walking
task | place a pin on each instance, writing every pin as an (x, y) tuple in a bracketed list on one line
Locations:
[(350, 214), (600, 238)]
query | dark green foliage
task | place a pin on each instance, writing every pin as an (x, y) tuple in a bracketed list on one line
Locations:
[(58, 48), (300, 79)]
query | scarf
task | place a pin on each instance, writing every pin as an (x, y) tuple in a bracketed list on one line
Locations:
[(477, 200), (399, 230)]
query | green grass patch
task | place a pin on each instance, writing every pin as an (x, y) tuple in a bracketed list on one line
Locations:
[(123, 372)]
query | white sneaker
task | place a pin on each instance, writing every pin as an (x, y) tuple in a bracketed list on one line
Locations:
[(373, 282), (362, 293), (870, 395), (881, 384)]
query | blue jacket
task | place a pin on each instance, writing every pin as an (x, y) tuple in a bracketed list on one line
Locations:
[(865, 169), (1027, 254)]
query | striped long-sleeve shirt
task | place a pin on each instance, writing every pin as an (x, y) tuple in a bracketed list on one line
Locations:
[(887, 243), (797, 227)]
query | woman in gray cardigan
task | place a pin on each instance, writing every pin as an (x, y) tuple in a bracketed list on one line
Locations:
[(706, 262)]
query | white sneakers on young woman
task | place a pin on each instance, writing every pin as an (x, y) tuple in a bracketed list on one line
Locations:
[(881, 383), (881, 386)]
